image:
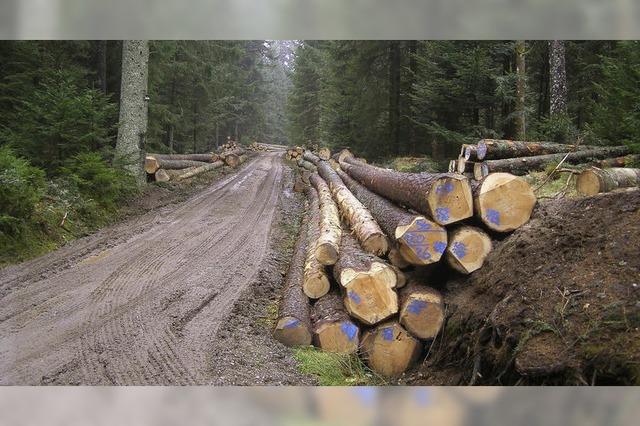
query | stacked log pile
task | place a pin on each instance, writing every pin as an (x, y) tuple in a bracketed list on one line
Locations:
[(367, 233), (519, 158), (177, 167), (606, 170)]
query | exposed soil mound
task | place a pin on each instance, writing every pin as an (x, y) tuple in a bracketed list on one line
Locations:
[(557, 302)]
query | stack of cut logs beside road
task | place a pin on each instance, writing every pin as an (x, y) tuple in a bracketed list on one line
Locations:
[(368, 238), (177, 167), (603, 169)]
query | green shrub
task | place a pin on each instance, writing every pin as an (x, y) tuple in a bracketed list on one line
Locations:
[(21, 188), (59, 118), (97, 181)]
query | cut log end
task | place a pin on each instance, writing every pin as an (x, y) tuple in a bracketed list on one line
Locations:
[(389, 349), (324, 153), (376, 243), (396, 258), (340, 337), (290, 331), (151, 165), (327, 254), (450, 200), (504, 202), (161, 175), (480, 170), (468, 248), (588, 183), (421, 242), (316, 285), (422, 312), (370, 296)]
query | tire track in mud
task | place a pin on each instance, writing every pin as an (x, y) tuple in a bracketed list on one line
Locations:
[(111, 318)]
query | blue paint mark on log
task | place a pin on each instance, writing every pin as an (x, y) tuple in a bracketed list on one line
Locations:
[(292, 323), (387, 333), (416, 306), (421, 225), (481, 150), (493, 216), (439, 246), (459, 249), (442, 214), (355, 297), (446, 188), (349, 329)]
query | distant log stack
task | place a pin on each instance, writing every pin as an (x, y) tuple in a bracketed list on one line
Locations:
[(206, 158), (295, 153), (293, 325), (495, 149), (523, 165), (594, 180)]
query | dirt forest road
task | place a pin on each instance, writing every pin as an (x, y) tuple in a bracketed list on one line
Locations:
[(140, 304)]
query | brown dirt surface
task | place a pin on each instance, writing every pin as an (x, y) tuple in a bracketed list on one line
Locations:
[(557, 302), (157, 298)]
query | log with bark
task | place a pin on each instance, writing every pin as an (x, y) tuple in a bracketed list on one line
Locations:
[(368, 282), (421, 241), (361, 221), (152, 164), (495, 149), (625, 161), (468, 247), (328, 244), (595, 180), (306, 165), (503, 202), (389, 349), (293, 326), (444, 197), (232, 157), (421, 310), (523, 165), (470, 152), (395, 257), (463, 166), (206, 158), (316, 282), (207, 167), (333, 329)]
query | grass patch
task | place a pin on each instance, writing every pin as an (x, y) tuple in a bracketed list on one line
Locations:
[(333, 369), (553, 186)]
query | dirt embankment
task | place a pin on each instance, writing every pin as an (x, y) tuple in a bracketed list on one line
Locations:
[(146, 301), (557, 302)]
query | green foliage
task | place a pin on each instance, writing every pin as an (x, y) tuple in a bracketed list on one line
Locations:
[(21, 188), (98, 181), (59, 118), (334, 369)]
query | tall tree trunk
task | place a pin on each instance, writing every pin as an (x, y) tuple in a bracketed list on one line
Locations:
[(170, 138), (195, 127), (101, 65), (558, 77), (520, 90), (132, 127), (217, 136), (413, 69), (394, 96)]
